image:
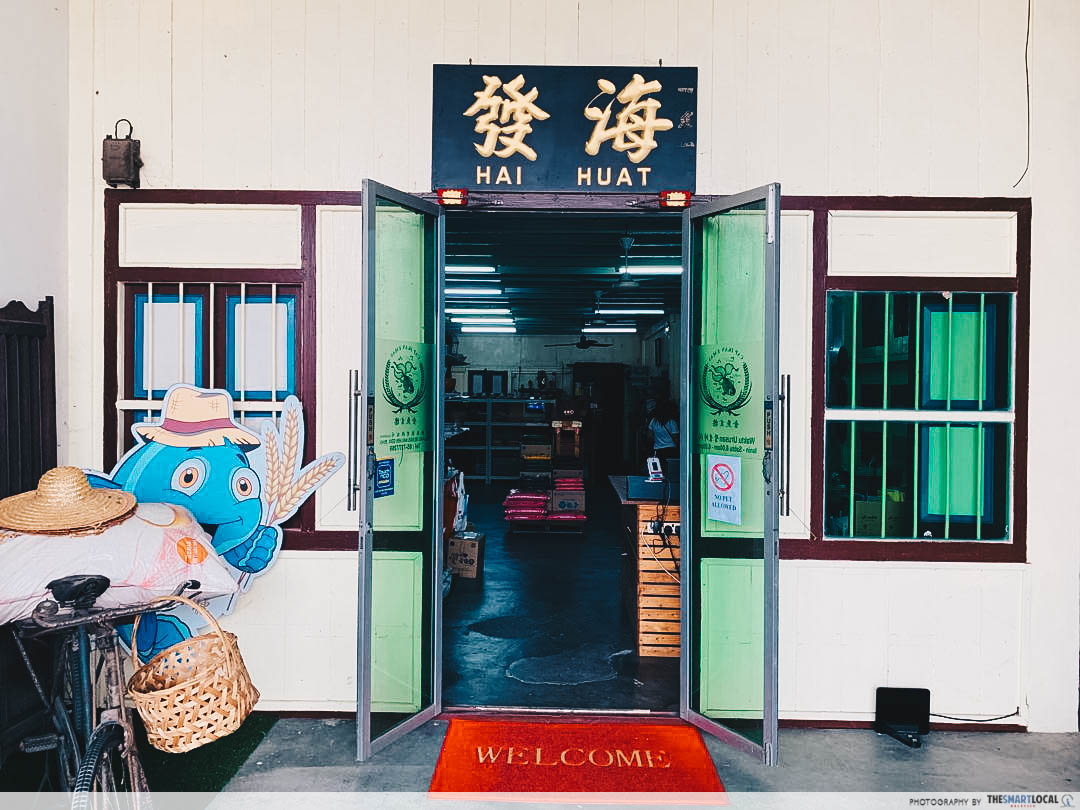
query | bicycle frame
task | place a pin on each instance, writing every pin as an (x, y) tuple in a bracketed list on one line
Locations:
[(82, 631)]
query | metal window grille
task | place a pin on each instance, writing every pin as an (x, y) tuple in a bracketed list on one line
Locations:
[(213, 348), (940, 423)]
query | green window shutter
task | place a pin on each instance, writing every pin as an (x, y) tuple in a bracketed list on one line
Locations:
[(953, 470), (962, 364)]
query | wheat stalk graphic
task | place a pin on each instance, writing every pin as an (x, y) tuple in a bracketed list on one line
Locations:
[(287, 485)]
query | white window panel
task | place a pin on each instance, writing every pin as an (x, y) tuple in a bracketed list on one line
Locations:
[(796, 277), (161, 335), (976, 244), (253, 364), (339, 302), (228, 236)]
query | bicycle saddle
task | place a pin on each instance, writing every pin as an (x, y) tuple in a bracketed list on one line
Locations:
[(80, 590)]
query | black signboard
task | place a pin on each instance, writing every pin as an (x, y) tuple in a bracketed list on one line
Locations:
[(543, 128)]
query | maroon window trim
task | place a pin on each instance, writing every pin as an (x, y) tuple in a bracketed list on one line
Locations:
[(817, 548), (299, 532)]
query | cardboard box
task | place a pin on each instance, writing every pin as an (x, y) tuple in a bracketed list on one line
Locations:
[(579, 474), (868, 519), (465, 554), (568, 500), (536, 451)]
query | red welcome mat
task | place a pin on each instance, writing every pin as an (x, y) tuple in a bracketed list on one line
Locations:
[(513, 756)]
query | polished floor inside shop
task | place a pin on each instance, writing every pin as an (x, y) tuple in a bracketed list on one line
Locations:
[(550, 623)]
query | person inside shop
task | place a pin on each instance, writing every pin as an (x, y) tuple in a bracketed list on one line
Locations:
[(664, 427)]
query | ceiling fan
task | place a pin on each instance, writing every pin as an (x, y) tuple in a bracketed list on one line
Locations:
[(582, 343), (626, 281)]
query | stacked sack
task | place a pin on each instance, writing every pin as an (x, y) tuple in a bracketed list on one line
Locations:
[(567, 498), (523, 507)]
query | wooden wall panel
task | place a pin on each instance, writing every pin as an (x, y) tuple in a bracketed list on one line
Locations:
[(594, 32), (186, 119), (953, 107), (696, 47), (661, 33), (724, 150), (359, 119), (804, 97), (854, 95), (759, 103), (322, 107), (493, 36), (906, 72), (425, 48), (628, 34), (461, 33), (393, 95), (561, 42), (528, 24), (896, 97), (154, 90), (1001, 94), (287, 111)]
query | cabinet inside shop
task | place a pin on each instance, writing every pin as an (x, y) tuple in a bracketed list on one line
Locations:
[(559, 597)]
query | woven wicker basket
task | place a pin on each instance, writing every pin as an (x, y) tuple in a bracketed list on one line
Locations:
[(196, 691)]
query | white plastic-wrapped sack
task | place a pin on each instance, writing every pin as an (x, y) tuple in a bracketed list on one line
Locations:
[(149, 554)]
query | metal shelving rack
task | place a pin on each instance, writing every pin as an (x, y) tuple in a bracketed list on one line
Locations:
[(486, 429)]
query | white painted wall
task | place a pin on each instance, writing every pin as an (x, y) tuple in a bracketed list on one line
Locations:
[(34, 145), (838, 97)]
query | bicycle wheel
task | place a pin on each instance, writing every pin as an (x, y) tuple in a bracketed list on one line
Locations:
[(103, 778)]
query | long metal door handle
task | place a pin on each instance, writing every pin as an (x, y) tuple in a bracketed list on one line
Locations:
[(785, 444), (354, 386)]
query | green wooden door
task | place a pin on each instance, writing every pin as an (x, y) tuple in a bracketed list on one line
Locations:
[(730, 510), (400, 463)]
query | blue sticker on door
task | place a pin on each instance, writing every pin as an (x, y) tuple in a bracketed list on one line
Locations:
[(384, 477)]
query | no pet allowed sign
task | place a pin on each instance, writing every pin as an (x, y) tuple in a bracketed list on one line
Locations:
[(723, 478)]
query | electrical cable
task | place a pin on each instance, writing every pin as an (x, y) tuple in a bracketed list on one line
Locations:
[(658, 524), (976, 719), (1027, 83)]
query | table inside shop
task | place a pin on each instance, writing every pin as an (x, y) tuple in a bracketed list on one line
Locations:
[(656, 587)]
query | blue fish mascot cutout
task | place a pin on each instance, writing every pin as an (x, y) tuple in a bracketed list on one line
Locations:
[(239, 487)]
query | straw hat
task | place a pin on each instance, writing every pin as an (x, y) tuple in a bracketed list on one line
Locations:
[(194, 417), (65, 503)]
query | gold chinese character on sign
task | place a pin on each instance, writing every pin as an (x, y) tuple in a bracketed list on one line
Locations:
[(635, 123), (507, 119)]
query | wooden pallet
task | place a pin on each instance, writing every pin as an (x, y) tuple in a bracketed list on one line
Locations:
[(658, 590)]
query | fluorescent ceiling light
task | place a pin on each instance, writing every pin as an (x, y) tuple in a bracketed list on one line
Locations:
[(610, 330), (500, 329), (655, 270), (462, 268), (483, 320), (477, 311), (643, 311), (474, 291)]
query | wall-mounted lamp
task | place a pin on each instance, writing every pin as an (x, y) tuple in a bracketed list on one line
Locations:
[(120, 161)]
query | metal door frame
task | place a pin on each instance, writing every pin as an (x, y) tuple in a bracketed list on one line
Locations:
[(365, 746), (770, 195)]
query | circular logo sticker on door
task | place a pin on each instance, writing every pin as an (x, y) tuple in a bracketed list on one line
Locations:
[(404, 381), (725, 381)]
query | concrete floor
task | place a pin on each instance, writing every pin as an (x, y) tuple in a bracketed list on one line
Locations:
[(551, 622), (559, 596), (318, 755)]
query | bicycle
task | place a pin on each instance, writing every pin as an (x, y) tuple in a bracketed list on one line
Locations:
[(85, 705)]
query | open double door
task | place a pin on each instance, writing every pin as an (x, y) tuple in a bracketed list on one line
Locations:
[(729, 532)]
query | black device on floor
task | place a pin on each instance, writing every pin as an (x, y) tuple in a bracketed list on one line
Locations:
[(903, 714)]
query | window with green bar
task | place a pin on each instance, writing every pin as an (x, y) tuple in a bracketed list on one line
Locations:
[(933, 460)]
